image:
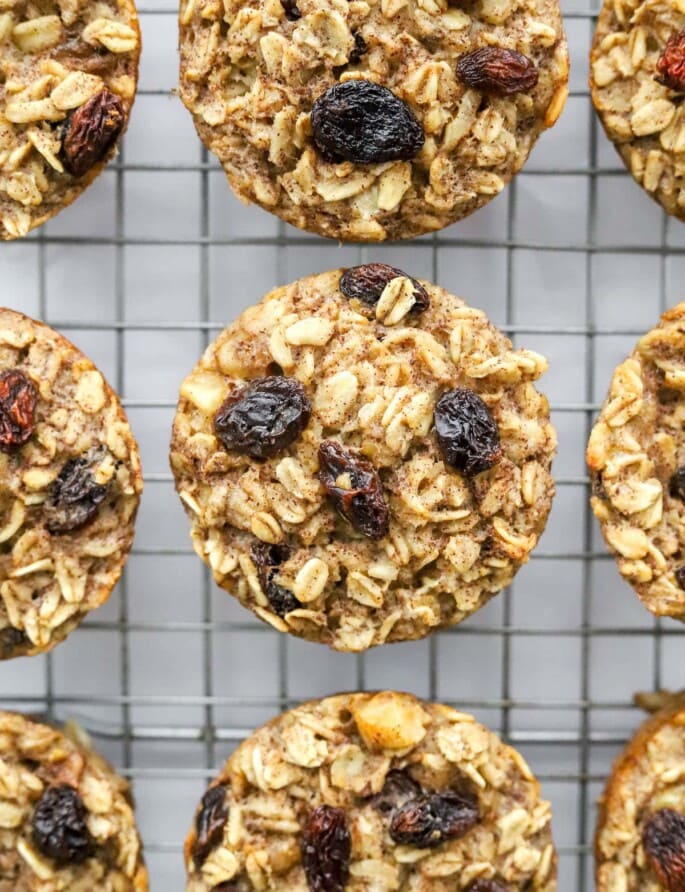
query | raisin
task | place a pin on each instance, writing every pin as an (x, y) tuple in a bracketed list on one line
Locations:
[(326, 848), (18, 397), (11, 640), (493, 69), (355, 488), (671, 65), (365, 123), (398, 789), (75, 496), (367, 282), (486, 886), (292, 13), (432, 818), (677, 484), (359, 49), (92, 131), (264, 417), (267, 558), (59, 826), (467, 433), (210, 823), (663, 838), (680, 576)]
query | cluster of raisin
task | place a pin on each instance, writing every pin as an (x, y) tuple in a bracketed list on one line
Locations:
[(75, 495), (417, 818), (366, 123)]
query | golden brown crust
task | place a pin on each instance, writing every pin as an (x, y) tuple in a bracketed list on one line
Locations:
[(76, 50), (250, 76), (339, 751), (645, 777), (49, 582)]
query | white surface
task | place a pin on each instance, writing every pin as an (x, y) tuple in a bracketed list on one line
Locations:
[(153, 688)]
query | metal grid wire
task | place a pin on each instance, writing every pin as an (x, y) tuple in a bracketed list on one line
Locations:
[(572, 259)]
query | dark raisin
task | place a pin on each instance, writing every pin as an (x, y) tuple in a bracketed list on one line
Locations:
[(267, 559), (292, 13), (264, 417), (493, 69), (12, 640), (355, 489), (367, 282), (75, 496), (92, 131), (59, 826), (680, 576), (365, 123), (18, 397), (677, 484), (663, 838), (598, 487), (398, 789), (467, 433), (671, 65), (359, 49), (210, 823), (326, 848), (432, 818), (486, 886)]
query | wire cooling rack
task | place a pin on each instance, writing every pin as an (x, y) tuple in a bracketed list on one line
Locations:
[(572, 259)]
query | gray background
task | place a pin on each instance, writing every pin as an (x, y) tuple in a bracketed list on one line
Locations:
[(573, 259)]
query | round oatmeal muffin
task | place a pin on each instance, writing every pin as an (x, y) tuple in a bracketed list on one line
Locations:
[(66, 817), (636, 456), (70, 484), (640, 839), (372, 791), (368, 120), (637, 78), (363, 458), (68, 72)]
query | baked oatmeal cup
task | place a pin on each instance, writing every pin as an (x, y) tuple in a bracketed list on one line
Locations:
[(372, 791), (637, 80), (640, 839), (363, 458), (70, 483), (68, 74), (636, 457), (372, 119), (66, 818)]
